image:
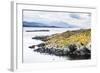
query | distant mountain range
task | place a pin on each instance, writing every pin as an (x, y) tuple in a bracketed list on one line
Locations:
[(49, 25)]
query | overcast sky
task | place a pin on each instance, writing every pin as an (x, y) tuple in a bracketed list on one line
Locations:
[(81, 20)]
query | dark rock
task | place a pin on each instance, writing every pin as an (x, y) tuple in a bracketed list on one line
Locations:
[(83, 53), (41, 45), (73, 53), (72, 47), (33, 46), (43, 38)]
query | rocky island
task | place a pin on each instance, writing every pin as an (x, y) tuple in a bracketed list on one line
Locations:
[(75, 44)]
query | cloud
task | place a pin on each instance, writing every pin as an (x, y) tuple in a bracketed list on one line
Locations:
[(81, 20)]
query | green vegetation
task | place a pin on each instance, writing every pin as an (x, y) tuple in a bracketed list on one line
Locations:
[(62, 40)]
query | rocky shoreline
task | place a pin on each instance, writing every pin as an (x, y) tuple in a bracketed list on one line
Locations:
[(72, 52), (72, 44)]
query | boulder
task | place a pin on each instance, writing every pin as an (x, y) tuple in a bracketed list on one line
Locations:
[(33, 46)]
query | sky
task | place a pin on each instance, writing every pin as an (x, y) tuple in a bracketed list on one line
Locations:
[(81, 20)]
